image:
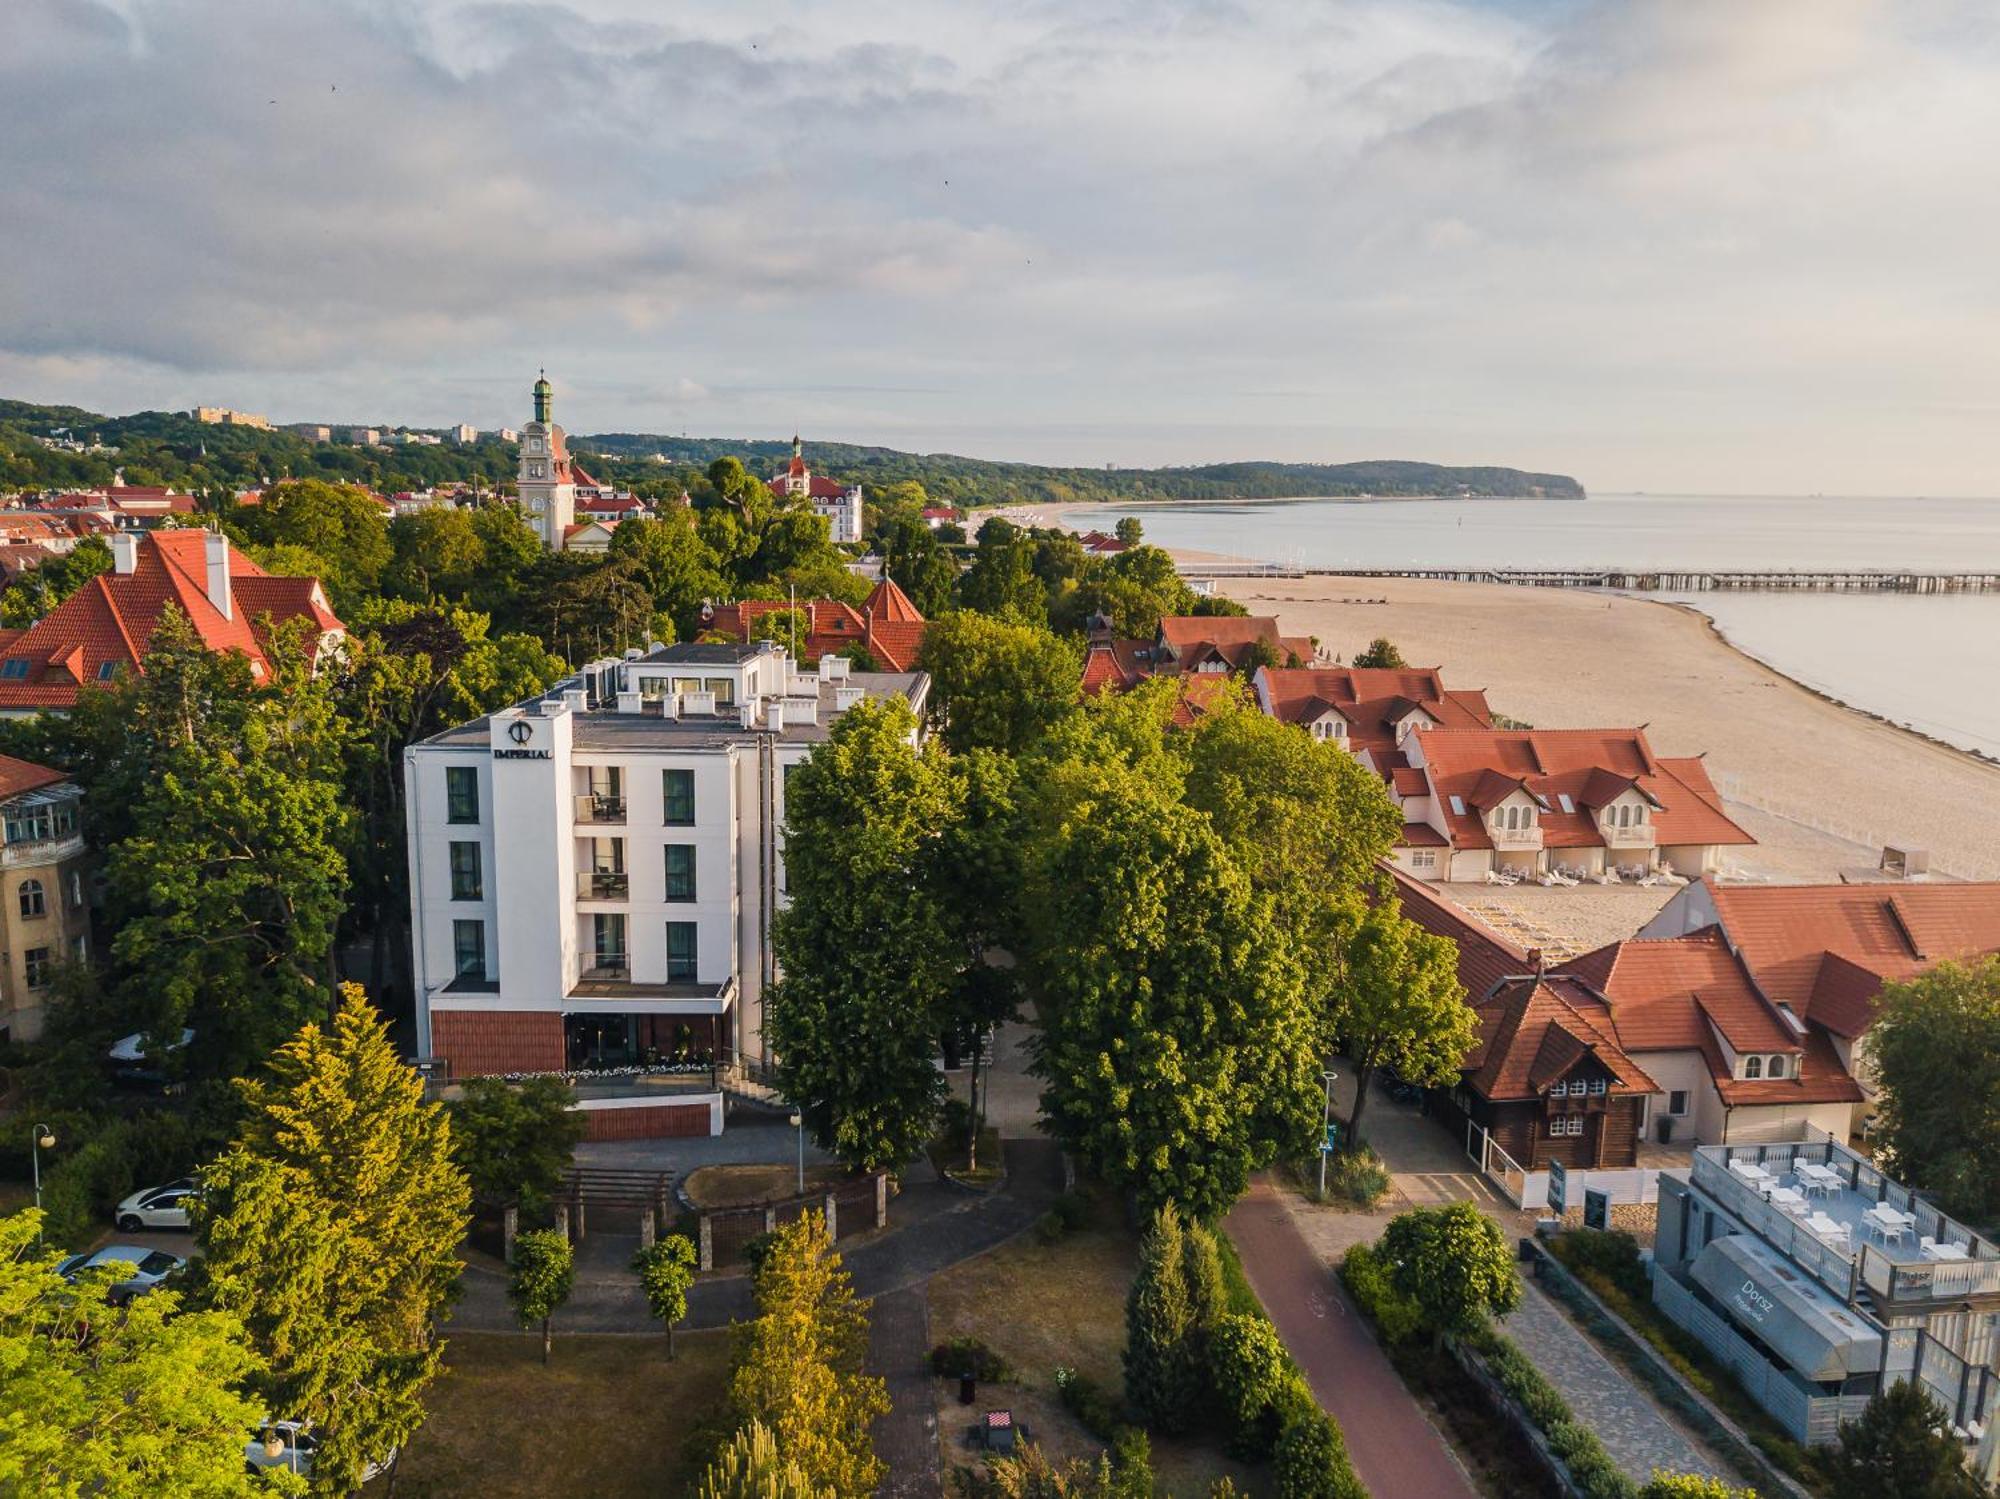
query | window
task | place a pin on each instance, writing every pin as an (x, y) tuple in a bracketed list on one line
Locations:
[(107, 670), (465, 881), (79, 948), (1599, 1087), (461, 793), (468, 949), (678, 790), (680, 871), (1776, 1068), (35, 962), (534, 471), (33, 901), (724, 689), (1566, 1124), (14, 670), (1753, 1066), (1677, 1101), (680, 952), (75, 889), (30, 825), (1424, 858)]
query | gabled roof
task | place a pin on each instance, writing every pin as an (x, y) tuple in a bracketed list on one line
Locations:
[(1557, 765), (1115, 665), (1372, 699), (109, 623), (1193, 638), (1485, 958), (887, 625), (1787, 934), (1516, 1058), (17, 777)]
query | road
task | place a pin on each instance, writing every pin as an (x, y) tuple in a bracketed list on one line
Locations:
[(1395, 1449)]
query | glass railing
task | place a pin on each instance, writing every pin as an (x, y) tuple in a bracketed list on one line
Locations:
[(614, 966), (593, 808), (595, 884), (1830, 1266)]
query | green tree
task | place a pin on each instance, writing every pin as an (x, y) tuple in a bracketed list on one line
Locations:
[(1208, 1295), (1133, 588), (866, 946), (1455, 1264), (436, 553), (341, 523), (1178, 1050), (111, 1401), (1381, 652), (540, 1280), (916, 561), (1129, 531), (40, 589), (751, 1466), (1311, 1458), (996, 685), (786, 626), (1900, 1447), (513, 1141), (1665, 1485), (1250, 1370), (678, 568), (1001, 579), (331, 1227), (1162, 1381), (797, 1364), (1935, 1046), (666, 1269)]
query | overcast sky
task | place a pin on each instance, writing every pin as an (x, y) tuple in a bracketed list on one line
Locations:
[(1722, 245)]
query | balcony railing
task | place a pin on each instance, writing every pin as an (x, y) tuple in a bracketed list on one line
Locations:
[(596, 809), (1639, 835), (1515, 837), (614, 967), (601, 884)]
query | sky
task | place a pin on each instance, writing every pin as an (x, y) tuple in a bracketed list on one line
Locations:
[(1700, 245)]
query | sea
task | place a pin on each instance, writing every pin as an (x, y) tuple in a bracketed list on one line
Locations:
[(1930, 662)]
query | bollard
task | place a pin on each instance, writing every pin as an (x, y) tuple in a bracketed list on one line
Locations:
[(882, 1200), (562, 1219), (579, 1217), (832, 1217), (510, 1224), (770, 1220), (646, 1229)]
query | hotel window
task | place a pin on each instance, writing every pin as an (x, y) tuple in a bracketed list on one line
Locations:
[(461, 794), (1677, 1101), (680, 871), (677, 787), (680, 952), (465, 881), (1753, 1067), (468, 949), (35, 967), (724, 689), (33, 901)]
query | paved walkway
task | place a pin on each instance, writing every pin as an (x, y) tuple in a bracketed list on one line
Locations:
[(933, 1226), (1637, 1433), (899, 1350), (1394, 1447)]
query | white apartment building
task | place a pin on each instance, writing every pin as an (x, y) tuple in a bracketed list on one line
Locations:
[(593, 874)]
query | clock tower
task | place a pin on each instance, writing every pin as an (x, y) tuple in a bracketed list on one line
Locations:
[(547, 489)]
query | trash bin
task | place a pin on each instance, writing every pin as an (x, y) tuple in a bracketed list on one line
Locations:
[(968, 1389), (1665, 1127)]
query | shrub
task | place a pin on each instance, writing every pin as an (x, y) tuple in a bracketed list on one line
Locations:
[(1665, 1485), (1367, 1280), (1613, 1255), (1248, 1368), (1311, 1460), (1050, 1227), (1357, 1177), (1073, 1208), (756, 1251), (1085, 1399), (960, 1356)]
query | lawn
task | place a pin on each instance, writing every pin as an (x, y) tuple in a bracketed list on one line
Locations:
[(609, 1418), (740, 1186), (1044, 1306)]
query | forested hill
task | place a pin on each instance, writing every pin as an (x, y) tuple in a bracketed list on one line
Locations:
[(160, 447)]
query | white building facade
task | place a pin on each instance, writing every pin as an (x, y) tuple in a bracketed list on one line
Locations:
[(839, 505), (593, 875)]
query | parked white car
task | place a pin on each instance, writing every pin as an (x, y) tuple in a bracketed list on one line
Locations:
[(156, 1207), (291, 1445), (142, 1268)]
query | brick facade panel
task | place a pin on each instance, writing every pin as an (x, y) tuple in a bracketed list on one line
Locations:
[(477, 1043), (673, 1121)]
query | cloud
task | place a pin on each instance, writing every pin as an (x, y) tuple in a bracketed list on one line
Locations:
[(1652, 241)]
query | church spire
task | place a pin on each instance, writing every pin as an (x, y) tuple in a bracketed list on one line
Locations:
[(544, 397)]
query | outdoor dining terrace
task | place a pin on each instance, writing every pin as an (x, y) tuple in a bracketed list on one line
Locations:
[(1841, 1219)]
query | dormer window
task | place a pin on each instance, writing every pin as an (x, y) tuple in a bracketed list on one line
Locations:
[(1777, 1067), (1753, 1067)]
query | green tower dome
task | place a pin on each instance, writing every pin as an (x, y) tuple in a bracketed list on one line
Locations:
[(544, 395)]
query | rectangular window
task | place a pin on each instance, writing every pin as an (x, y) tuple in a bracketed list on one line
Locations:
[(35, 963), (680, 871), (461, 793), (678, 791), (1677, 1101), (724, 689), (1599, 1087), (468, 949), (607, 942), (680, 952), (1423, 858), (465, 881), (32, 825)]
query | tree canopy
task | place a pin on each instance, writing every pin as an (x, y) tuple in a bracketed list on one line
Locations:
[(1935, 1046), (1455, 1264)]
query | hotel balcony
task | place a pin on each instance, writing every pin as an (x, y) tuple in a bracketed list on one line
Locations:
[(606, 968), (603, 884), (1637, 836), (598, 811), (1511, 839)]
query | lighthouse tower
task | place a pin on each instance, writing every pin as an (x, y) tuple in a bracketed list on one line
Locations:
[(548, 491)]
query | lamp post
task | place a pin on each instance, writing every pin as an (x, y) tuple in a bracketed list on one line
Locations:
[(1324, 1119), (41, 1138), (799, 1124)]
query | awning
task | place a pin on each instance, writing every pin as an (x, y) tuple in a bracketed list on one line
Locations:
[(1792, 1314)]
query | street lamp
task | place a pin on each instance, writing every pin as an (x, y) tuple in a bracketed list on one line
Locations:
[(1324, 1120), (799, 1124), (40, 1139)]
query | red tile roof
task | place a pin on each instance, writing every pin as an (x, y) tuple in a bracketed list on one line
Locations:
[(110, 621), (887, 625), (1191, 639), (1481, 766), (1533, 1031), (1825, 949), (1372, 699), (1485, 958), (19, 776), (1115, 665)]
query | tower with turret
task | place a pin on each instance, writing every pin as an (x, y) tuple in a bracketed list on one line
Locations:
[(547, 486)]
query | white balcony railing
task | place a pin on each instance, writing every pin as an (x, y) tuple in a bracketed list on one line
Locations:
[(1515, 838), (1637, 836), (41, 851)]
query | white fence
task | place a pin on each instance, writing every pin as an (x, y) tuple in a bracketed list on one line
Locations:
[(1529, 1190), (1734, 788)]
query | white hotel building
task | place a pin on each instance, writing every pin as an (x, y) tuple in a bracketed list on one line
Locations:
[(593, 874)]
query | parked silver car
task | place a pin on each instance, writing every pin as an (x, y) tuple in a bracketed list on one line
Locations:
[(157, 1207), (141, 1268)]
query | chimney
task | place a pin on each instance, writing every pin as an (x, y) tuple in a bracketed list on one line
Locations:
[(124, 552), (216, 549), (1537, 961)]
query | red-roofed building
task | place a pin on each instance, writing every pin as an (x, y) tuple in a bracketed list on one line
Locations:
[(887, 625), (1221, 643), (1577, 801), (839, 504), (107, 626)]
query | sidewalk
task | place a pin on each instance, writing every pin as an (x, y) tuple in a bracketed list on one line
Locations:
[(1394, 1447)]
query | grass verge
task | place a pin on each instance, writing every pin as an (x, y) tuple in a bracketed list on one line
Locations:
[(747, 1186)]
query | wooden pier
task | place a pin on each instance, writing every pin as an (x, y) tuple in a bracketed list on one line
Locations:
[(1767, 580)]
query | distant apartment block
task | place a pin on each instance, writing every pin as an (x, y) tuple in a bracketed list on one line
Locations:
[(363, 437), (312, 431), (465, 433), (222, 416), (593, 874)]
